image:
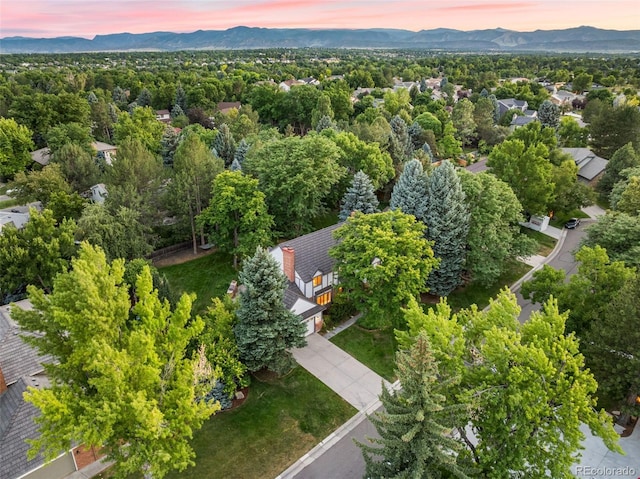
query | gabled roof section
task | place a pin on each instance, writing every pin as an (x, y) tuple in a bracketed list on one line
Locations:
[(293, 294), (589, 164), (312, 252)]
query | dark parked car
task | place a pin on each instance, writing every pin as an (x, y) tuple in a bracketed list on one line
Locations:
[(572, 223)]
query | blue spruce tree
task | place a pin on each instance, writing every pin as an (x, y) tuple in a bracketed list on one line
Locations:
[(447, 218), (410, 191), (360, 196)]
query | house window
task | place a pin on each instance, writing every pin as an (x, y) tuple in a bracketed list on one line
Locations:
[(324, 298), (317, 280)]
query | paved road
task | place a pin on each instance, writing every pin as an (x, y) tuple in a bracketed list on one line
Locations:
[(564, 260)]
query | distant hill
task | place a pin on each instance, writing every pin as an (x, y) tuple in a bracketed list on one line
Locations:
[(580, 39)]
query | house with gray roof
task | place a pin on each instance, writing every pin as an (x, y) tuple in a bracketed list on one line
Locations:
[(507, 104), (590, 166), (306, 263), (20, 368)]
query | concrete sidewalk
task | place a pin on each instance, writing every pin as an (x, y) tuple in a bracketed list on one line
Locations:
[(351, 379)]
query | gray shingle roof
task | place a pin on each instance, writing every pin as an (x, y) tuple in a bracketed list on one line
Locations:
[(20, 365), (589, 164), (16, 425), (312, 252), (17, 358)]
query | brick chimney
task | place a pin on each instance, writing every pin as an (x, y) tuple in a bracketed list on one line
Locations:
[(3, 384), (289, 263)]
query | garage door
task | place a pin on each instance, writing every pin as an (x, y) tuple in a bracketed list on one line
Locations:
[(311, 326)]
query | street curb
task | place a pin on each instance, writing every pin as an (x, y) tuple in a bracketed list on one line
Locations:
[(333, 438), (555, 252)]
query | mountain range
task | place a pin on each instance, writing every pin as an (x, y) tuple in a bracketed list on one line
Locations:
[(579, 39)]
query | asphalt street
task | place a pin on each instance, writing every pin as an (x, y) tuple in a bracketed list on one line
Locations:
[(564, 260)]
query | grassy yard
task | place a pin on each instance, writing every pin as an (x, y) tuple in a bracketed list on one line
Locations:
[(374, 348), (327, 219), (545, 243), (477, 294), (561, 218), (208, 277), (8, 203), (279, 422)]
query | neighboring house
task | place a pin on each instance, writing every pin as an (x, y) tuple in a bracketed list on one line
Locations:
[(519, 121), (310, 81), (17, 216), (590, 166), (98, 193), (13, 216), (507, 104), (103, 150), (227, 106), (20, 368), (287, 84), (163, 116), (564, 97), (307, 265), (41, 156)]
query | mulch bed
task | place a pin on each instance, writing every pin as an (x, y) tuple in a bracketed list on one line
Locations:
[(238, 402)]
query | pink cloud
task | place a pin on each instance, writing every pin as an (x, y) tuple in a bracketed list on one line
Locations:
[(88, 18)]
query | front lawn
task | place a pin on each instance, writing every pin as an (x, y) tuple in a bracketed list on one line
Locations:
[(475, 293), (561, 218), (374, 348), (208, 276), (279, 422), (545, 242)]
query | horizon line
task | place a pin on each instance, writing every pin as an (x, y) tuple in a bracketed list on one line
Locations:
[(308, 28)]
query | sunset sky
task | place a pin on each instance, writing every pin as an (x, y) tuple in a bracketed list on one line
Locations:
[(86, 18)]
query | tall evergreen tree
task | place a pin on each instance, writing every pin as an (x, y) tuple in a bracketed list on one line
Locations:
[(496, 109), (410, 192), (325, 122), (447, 217), (180, 98), (400, 147), (625, 157), (144, 98), (266, 329), (416, 423), (224, 144), (360, 196), (241, 151), (176, 111), (549, 114)]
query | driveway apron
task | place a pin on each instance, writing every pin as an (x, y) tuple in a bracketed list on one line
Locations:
[(351, 379)]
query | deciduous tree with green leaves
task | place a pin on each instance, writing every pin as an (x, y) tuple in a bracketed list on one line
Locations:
[(121, 378), (296, 175), (619, 234), (36, 253), (266, 330), (236, 220), (15, 145), (525, 385), (494, 236), (383, 260), (415, 426), (194, 170)]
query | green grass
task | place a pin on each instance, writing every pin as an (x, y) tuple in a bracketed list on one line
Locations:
[(545, 243), (560, 218), (8, 203), (279, 422), (475, 293), (373, 348), (208, 277)]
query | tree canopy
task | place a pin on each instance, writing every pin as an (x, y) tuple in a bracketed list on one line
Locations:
[(121, 378)]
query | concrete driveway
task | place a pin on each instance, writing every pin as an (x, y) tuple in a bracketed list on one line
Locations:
[(351, 379)]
